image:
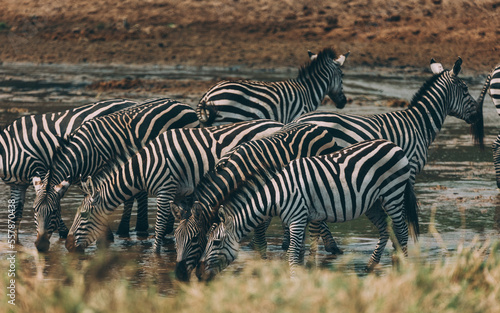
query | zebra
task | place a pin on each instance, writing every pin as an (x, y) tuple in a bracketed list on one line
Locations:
[(413, 129), (28, 144), (283, 101), (99, 141), (242, 163), (492, 85), (338, 187), (168, 167)]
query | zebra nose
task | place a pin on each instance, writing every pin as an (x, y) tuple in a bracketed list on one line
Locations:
[(200, 270), (181, 271), (70, 243), (42, 242)]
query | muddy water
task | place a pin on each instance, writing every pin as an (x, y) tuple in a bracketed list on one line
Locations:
[(457, 191)]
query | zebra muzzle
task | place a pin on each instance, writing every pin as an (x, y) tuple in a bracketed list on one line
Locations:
[(181, 271), (42, 242), (72, 246)]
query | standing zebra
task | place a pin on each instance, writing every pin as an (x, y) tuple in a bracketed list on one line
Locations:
[(492, 85), (283, 101), (246, 161), (96, 142), (28, 144), (337, 188), (413, 129), (169, 167)]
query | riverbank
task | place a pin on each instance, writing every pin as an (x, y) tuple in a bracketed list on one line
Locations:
[(251, 33)]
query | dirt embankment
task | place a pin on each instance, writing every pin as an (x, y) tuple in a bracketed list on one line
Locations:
[(258, 33)]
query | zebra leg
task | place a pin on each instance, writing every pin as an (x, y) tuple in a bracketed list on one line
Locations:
[(62, 229), (295, 250), (286, 238), (124, 227), (141, 225), (317, 229), (164, 218), (259, 242), (105, 239), (17, 196), (379, 218)]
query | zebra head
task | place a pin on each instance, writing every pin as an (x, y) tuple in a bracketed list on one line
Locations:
[(222, 248), (190, 240), (46, 210), (460, 103), (89, 222), (325, 70)]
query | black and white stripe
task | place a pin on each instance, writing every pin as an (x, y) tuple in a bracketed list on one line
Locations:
[(28, 144), (169, 167), (413, 129), (234, 169), (283, 101), (96, 142), (336, 188), (492, 86)]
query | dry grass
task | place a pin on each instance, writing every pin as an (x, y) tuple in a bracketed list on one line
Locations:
[(465, 282)]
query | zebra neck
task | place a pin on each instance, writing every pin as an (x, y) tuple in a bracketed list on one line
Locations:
[(315, 89), (429, 114)]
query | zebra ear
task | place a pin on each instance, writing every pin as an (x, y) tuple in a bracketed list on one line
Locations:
[(436, 68), (178, 212), (312, 56), (222, 214), (62, 188), (457, 67), (196, 210), (342, 58), (37, 183), (88, 186)]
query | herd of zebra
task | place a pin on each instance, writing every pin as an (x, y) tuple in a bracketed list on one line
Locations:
[(250, 151)]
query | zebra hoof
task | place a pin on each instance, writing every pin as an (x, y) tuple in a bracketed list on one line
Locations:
[(63, 234), (143, 234), (123, 234), (334, 250)]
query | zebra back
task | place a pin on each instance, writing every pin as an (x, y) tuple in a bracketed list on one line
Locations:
[(234, 101), (29, 143)]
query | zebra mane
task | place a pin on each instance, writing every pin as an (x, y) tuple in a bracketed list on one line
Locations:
[(425, 87), (311, 67)]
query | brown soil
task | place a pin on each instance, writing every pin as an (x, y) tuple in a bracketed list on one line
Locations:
[(254, 33)]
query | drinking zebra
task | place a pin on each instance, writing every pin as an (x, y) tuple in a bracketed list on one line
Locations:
[(336, 188), (492, 85), (28, 144), (246, 161), (169, 167), (283, 101), (413, 129), (96, 142)]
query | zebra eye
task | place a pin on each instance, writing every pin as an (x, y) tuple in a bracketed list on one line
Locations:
[(85, 214), (217, 242), (195, 239)]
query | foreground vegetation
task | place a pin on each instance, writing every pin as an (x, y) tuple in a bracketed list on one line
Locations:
[(468, 281)]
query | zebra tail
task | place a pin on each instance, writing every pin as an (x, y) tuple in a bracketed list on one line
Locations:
[(477, 129), (206, 112), (411, 207)]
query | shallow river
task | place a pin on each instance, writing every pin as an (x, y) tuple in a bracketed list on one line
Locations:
[(456, 189)]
